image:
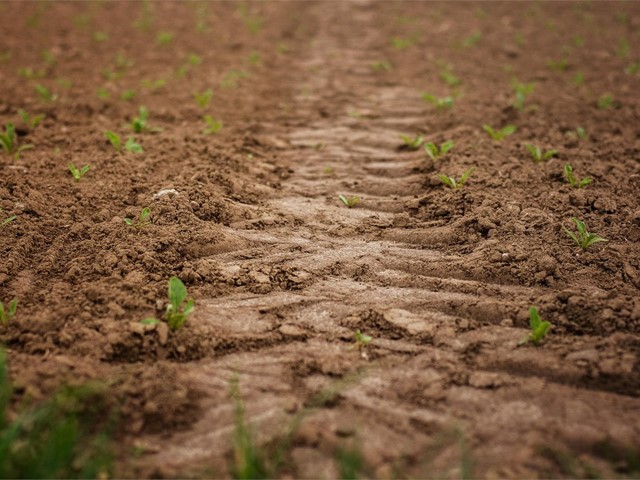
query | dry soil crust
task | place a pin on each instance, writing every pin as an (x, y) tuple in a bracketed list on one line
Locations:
[(283, 273)]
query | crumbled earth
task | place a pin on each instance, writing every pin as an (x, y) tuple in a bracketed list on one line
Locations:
[(314, 98)]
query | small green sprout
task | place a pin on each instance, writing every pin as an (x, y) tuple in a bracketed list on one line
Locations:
[(100, 37), (606, 101), (558, 65), (114, 139), (623, 48), (328, 170), (232, 77), (538, 154), (44, 93), (128, 95), (573, 181), (103, 94), (31, 121), (164, 38), (213, 126), (7, 220), (539, 328), (578, 79), (133, 147), (582, 134), (9, 142), (179, 307), (400, 43), (143, 220), (412, 143), (203, 99), (453, 183), (381, 66), (255, 59), (499, 135), (449, 78), (139, 123), (522, 91), (153, 84), (584, 239), (361, 339), (78, 174), (150, 321), (434, 152), (9, 313), (441, 103), (350, 202), (633, 68), (471, 40)]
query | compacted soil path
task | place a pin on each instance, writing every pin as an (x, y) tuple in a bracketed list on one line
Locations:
[(381, 338)]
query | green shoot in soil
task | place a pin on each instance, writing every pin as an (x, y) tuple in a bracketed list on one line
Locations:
[(456, 184), (361, 339), (539, 328), (412, 143), (7, 220), (583, 239), (128, 95), (441, 103), (78, 174), (114, 139), (44, 93), (213, 126), (381, 66), (179, 307), (133, 147), (203, 99), (573, 181), (143, 220), (349, 201), (522, 91), (9, 142), (434, 152), (139, 123), (538, 154), (8, 313), (30, 121), (501, 134), (606, 101)]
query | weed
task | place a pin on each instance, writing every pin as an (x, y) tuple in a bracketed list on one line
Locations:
[(8, 313), (144, 219), (45, 94), (350, 202), (203, 99), (412, 143), (381, 66), (213, 126), (499, 135), (7, 220), (9, 142), (32, 122), (538, 154), (441, 103), (434, 152), (539, 328), (522, 91), (179, 307), (139, 123), (78, 174), (583, 239), (606, 101), (573, 181), (456, 184)]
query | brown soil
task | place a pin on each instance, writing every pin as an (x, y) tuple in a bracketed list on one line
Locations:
[(283, 273)]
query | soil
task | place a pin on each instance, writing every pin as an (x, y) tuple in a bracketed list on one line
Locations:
[(283, 273)]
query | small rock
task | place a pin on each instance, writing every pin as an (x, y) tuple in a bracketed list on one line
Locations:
[(167, 191), (163, 333), (292, 331), (137, 328), (589, 355)]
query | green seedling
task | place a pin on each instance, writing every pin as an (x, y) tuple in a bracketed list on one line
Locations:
[(582, 134), (606, 101), (100, 37), (179, 307), (381, 66), (522, 91), (539, 328), (573, 181), (5, 57), (400, 43), (538, 154), (31, 121), (114, 139), (412, 143), (143, 220), (164, 38), (78, 174), (471, 40), (139, 123), (632, 68), (44, 93), (499, 135), (30, 73), (361, 340), (434, 152), (449, 78), (128, 95), (350, 202), (133, 147), (203, 99), (558, 65), (7, 314), (578, 79), (213, 126), (583, 239), (103, 94), (150, 321), (9, 142), (623, 48), (441, 103), (7, 220), (255, 59), (451, 182), (153, 84), (232, 77)]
